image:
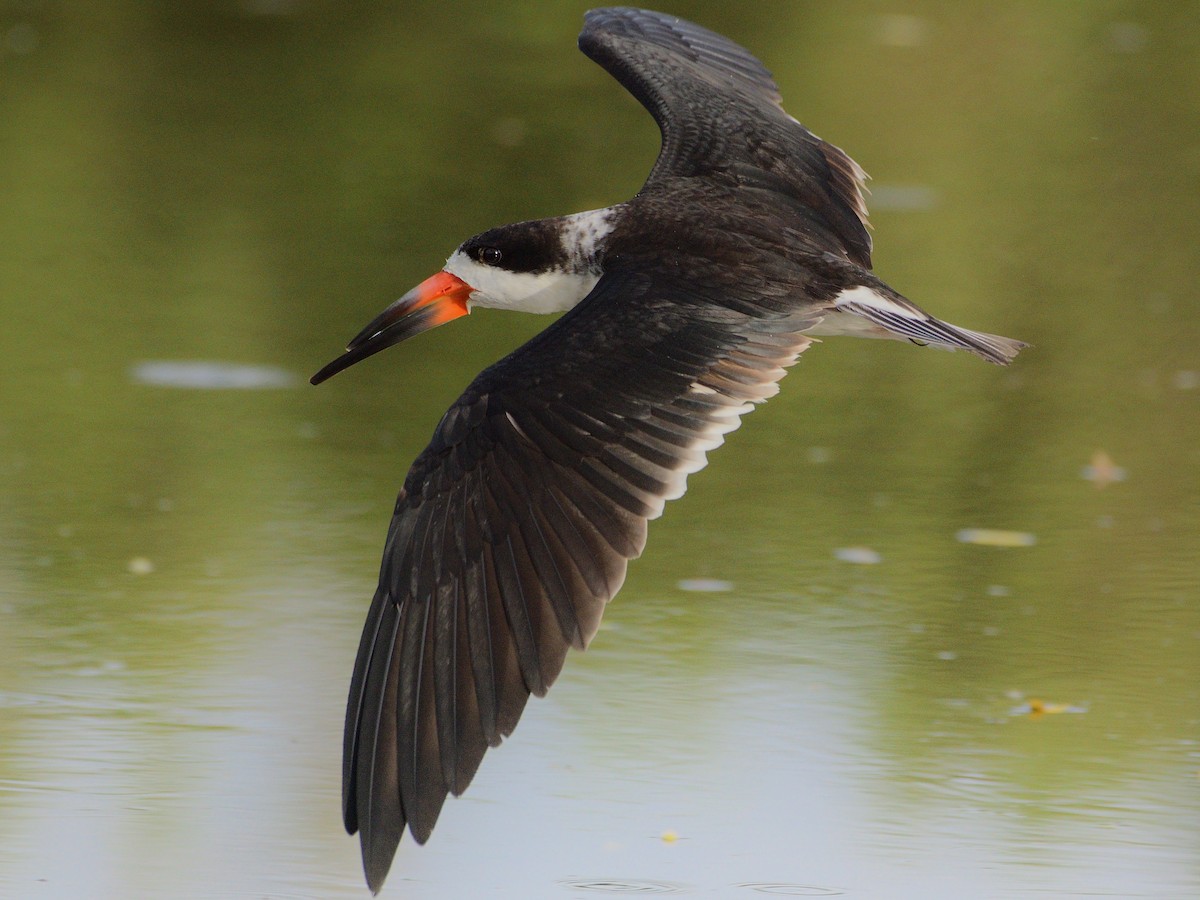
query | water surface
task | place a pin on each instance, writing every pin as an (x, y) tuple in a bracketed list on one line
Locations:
[(812, 684)]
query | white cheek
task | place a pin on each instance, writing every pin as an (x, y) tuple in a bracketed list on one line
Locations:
[(542, 292)]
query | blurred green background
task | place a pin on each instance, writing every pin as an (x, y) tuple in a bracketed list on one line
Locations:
[(850, 707)]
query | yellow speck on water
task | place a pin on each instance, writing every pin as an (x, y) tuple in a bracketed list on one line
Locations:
[(669, 836), (1103, 471), (1035, 708), (1042, 708)]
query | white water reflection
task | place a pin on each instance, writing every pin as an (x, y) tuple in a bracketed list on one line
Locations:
[(212, 375)]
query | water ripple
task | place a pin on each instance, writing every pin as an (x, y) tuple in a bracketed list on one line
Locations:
[(623, 886), (791, 890)]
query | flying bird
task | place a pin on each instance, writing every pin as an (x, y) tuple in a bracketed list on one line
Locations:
[(682, 308)]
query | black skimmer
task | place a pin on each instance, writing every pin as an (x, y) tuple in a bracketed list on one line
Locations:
[(683, 307)]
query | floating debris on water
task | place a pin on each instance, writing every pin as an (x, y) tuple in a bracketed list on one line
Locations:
[(669, 836), (211, 375), (140, 565), (704, 585), (1036, 708), (862, 556), (995, 537), (1102, 471)]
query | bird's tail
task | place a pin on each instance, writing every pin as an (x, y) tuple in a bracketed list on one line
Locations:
[(895, 317), (994, 348)]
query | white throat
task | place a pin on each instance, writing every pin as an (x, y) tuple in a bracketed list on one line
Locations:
[(552, 290)]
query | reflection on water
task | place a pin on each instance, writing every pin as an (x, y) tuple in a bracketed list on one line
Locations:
[(813, 681)]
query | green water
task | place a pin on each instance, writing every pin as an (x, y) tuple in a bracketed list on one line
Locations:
[(185, 569)]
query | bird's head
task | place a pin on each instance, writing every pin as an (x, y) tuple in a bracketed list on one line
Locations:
[(542, 266)]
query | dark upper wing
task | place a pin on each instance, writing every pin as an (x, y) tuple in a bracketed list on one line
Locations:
[(719, 109), (515, 525)]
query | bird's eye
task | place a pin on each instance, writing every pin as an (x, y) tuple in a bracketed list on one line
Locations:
[(490, 255)]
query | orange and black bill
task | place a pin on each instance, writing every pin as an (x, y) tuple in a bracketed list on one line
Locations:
[(435, 301)]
